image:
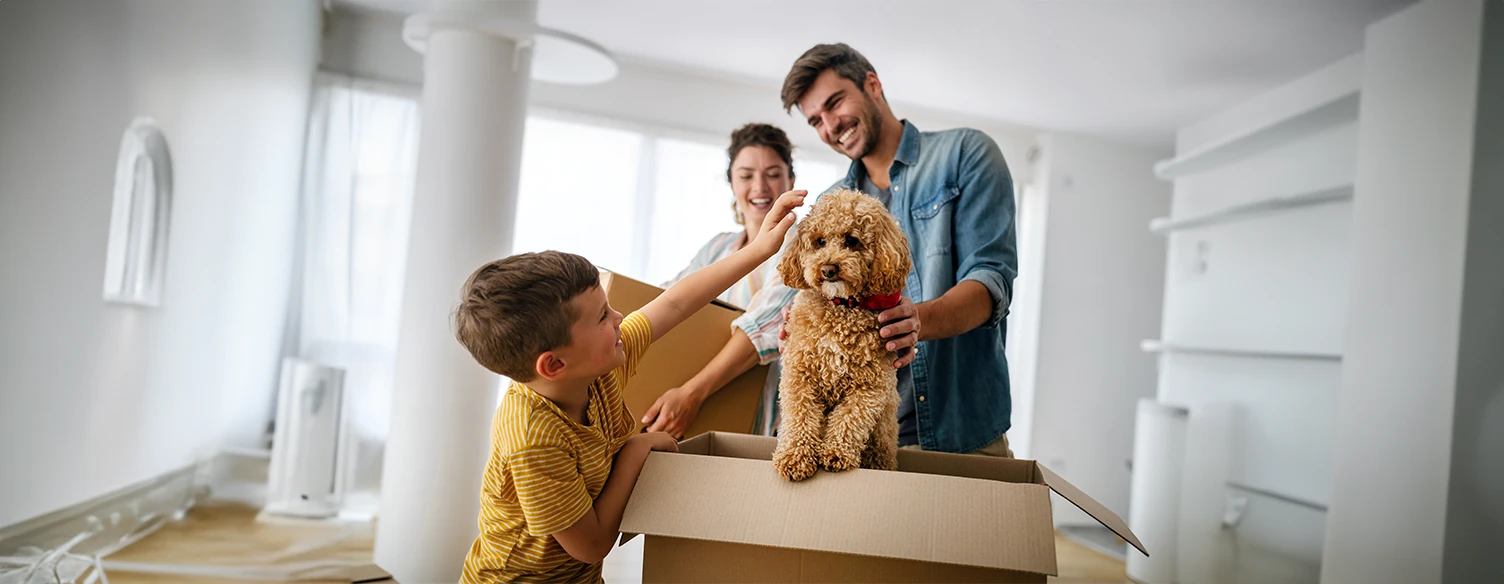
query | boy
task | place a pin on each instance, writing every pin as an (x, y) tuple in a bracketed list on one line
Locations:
[(553, 499)]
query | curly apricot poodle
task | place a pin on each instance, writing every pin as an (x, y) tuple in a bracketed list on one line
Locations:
[(838, 394)]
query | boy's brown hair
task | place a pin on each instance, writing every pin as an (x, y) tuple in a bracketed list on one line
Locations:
[(516, 308)]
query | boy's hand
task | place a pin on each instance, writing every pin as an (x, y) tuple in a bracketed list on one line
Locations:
[(778, 222), (659, 441)]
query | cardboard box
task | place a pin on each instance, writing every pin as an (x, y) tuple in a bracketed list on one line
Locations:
[(717, 512), (681, 354)]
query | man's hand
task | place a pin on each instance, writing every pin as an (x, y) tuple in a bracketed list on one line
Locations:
[(674, 411), (900, 330)]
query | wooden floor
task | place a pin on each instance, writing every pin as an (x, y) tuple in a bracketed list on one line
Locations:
[(227, 535)]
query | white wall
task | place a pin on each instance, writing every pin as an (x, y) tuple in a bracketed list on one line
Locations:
[(366, 44), (1475, 497), (1102, 279), (1394, 431), (93, 396)]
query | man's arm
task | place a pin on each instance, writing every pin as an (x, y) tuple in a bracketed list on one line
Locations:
[(966, 306), (986, 253), (592, 536), (984, 236)]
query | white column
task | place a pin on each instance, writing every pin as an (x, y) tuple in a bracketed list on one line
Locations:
[(474, 103)]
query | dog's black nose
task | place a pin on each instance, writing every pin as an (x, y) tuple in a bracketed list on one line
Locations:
[(829, 271)]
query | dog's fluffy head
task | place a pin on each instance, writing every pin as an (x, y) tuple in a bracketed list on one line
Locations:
[(852, 233)]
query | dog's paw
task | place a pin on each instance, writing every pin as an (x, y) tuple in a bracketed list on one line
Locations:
[(835, 460), (793, 465)]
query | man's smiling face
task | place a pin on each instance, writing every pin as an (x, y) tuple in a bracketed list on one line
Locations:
[(843, 113)]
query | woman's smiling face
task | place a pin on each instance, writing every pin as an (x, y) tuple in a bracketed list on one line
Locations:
[(758, 176)]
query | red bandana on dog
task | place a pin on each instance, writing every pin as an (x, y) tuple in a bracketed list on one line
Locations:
[(876, 303)]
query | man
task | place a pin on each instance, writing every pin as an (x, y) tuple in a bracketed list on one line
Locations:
[(953, 197)]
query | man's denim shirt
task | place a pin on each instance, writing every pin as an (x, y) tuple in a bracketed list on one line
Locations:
[(953, 196)]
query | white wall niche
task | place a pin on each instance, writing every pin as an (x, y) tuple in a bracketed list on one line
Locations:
[(136, 256)]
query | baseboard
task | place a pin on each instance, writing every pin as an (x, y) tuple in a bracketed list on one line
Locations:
[(109, 518), (112, 518)]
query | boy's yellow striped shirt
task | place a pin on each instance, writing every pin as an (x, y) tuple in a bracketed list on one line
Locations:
[(545, 471)]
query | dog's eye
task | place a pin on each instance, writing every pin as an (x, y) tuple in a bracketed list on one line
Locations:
[(820, 242), (853, 243)]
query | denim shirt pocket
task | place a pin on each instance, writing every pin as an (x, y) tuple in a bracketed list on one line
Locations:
[(932, 217)]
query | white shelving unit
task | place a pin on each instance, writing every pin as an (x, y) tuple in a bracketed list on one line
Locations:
[(1262, 326), (1343, 108), (1156, 346), (1338, 194)]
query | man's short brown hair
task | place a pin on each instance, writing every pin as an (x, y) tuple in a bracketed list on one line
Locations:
[(839, 57), (516, 308)]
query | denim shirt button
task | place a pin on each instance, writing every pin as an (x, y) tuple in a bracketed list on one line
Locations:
[(921, 398)]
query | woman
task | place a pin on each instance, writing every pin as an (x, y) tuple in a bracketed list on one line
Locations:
[(761, 168)]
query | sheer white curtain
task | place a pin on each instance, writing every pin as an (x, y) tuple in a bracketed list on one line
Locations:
[(357, 199)]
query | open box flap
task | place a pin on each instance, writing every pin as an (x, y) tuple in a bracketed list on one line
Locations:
[(1096, 510)]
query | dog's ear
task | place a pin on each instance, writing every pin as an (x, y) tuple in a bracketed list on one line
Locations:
[(790, 268), (890, 261)]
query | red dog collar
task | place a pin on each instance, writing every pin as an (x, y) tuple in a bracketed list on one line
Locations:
[(876, 303)]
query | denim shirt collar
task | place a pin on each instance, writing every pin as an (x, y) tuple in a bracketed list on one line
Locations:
[(908, 153)]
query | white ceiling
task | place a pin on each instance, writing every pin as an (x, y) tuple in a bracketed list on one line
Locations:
[(1132, 70)]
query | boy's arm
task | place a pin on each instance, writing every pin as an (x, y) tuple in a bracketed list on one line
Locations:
[(593, 535), (699, 288)]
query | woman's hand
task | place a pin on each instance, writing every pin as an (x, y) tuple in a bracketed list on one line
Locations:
[(674, 411), (777, 223)]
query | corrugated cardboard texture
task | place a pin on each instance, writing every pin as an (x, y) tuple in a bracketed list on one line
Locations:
[(741, 446), (967, 465), (936, 463), (697, 445), (681, 354), (667, 559), (898, 515), (1102, 514)]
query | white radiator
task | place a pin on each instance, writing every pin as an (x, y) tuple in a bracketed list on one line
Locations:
[(311, 462)]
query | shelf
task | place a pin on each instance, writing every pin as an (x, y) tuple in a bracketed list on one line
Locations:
[(1343, 108), (1155, 346), (1312, 505), (1256, 208)]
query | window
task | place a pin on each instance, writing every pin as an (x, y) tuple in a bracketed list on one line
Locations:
[(691, 203), (630, 200), (578, 191), (357, 205)]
